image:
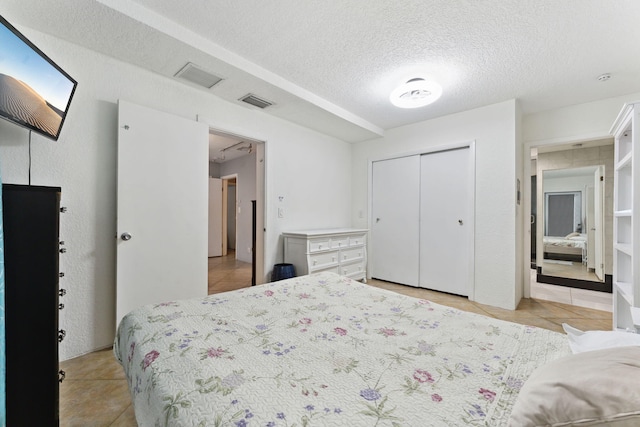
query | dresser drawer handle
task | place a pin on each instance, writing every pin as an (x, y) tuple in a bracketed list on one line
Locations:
[(61, 375), (61, 334)]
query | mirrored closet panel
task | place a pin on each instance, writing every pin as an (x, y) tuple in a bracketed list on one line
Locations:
[(574, 214)]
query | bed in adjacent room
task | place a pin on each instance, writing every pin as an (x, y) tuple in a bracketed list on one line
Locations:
[(325, 350)]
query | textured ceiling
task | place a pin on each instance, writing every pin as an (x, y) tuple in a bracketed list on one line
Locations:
[(330, 65)]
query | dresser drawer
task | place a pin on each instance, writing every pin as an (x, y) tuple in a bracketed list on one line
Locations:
[(352, 254), (356, 240), (323, 259), (317, 245), (351, 270), (339, 243)]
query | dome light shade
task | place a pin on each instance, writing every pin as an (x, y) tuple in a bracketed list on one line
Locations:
[(415, 93)]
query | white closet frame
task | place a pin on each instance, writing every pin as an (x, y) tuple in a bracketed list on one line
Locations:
[(472, 191)]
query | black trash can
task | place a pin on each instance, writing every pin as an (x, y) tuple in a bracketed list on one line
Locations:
[(283, 271)]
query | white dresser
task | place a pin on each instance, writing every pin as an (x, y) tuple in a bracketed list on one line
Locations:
[(340, 250)]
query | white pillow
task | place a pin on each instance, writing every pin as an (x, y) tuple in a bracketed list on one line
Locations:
[(594, 388), (570, 235), (580, 341)]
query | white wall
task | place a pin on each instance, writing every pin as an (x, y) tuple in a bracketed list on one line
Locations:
[(520, 212), (245, 168), (494, 130), (591, 120), (310, 170)]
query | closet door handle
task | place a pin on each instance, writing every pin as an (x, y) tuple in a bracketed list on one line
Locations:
[(460, 222)]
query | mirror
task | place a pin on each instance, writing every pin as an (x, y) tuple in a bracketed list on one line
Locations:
[(572, 211)]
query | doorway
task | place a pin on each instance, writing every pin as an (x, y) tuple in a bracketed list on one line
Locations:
[(569, 228), (237, 162)]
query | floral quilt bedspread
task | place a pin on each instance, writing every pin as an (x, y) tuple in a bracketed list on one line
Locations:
[(324, 350)]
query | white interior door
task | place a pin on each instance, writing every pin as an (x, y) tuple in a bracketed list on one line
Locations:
[(215, 217), (395, 220), (591, 228), (598, 196), (446, 221), (162, 208)]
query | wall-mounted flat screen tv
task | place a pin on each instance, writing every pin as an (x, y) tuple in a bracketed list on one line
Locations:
[(34, 91)]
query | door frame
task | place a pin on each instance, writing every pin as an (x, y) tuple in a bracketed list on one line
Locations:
[(261, 190), (526, 223), (472, 199), (599, 214), (225, 210)]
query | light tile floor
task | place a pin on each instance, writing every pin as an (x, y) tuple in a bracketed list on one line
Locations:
[(95, 392), (573, 296)]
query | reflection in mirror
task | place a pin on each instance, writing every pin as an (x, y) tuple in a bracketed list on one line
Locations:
[(572, 223)]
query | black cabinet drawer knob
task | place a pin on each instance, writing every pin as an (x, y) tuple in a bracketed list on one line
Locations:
[(61, 334)]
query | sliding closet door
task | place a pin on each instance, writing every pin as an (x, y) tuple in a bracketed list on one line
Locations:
[(395, 218), (446, 221)]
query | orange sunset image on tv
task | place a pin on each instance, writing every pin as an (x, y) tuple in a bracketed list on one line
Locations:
[(27, 106)]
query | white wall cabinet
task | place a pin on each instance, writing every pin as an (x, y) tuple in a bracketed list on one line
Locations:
[(626, 219), (342, 251)]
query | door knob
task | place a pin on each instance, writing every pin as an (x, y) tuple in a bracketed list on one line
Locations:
[(460, 222), (125, 236)]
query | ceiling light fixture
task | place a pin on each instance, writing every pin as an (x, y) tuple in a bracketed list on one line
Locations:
[(415, 93)]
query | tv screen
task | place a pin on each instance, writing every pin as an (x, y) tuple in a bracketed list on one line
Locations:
[(34, 91)]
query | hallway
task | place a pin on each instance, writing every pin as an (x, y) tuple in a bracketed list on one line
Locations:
[(227, 274)]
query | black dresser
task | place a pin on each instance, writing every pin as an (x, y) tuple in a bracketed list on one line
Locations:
[(31, 216)]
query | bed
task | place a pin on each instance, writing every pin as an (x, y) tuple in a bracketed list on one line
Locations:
[(572, 247), (325, 350)]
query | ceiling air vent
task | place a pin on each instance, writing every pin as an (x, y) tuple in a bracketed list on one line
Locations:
[(194, 74), (255, 101)]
